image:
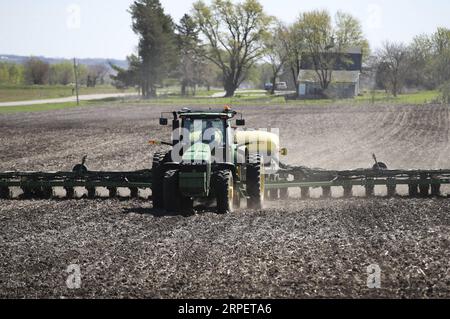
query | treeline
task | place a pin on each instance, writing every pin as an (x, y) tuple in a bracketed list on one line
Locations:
[(228, 44), (231, 43), (38, 72), (11, 73), (422, 64)]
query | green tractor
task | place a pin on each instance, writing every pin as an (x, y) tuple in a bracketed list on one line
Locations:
[(211, 162), (207, 164)]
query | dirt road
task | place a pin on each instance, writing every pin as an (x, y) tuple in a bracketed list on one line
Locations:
[(290, 249), (89, 97)]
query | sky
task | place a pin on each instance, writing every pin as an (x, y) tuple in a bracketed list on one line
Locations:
[(102, 28)]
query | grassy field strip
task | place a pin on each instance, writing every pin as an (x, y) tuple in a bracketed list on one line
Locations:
[(42, 107), (241, 100)]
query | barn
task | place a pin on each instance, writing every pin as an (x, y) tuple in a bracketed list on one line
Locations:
[(345, 77)]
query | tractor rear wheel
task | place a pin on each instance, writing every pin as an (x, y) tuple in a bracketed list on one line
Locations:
[(158, 179), (255, 182), (171, 192), (224, 188)]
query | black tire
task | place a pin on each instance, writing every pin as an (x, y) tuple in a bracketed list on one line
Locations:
[(171, 192), (158, 179), (255, 182), (224, 191)]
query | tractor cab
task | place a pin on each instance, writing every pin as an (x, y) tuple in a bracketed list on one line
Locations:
[(203, 136)]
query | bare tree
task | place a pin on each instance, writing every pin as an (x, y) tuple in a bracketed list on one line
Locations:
[(36, 71), (294, 46), (317, 30), (233, 33), (392, 59), (96, 73), (276, 48)]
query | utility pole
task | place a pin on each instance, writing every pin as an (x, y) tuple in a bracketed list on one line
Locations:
[(75, 69)]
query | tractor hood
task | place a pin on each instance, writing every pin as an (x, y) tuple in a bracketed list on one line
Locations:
[(197, 153), (194, 178)]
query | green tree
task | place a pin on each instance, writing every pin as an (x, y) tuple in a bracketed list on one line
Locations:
[(440, 66), (441, 40), (295, 46), (83, 72), (349, 33), (156, 48), (11, 73), (420, 57), (4, 73), (192, 64), (445, 92), (327, 40), (131, 77), (440, 63), (61, 73), (233, 33), (317, 30), (429, 60), (16, 73)]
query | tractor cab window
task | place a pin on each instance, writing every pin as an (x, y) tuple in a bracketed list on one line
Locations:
[(208, 131)]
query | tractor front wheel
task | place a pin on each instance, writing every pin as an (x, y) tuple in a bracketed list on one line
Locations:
[(223, 186), (255, 182)]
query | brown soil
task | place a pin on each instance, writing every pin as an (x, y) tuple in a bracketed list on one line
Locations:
[(292, 249)]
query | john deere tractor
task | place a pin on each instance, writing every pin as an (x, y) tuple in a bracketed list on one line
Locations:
[(208, 162), (211, 162)]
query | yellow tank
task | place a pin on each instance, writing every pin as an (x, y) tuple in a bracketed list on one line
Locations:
[(259, 142)]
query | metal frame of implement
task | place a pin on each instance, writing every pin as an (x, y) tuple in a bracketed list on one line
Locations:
[(419, 181), (35, 184)]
